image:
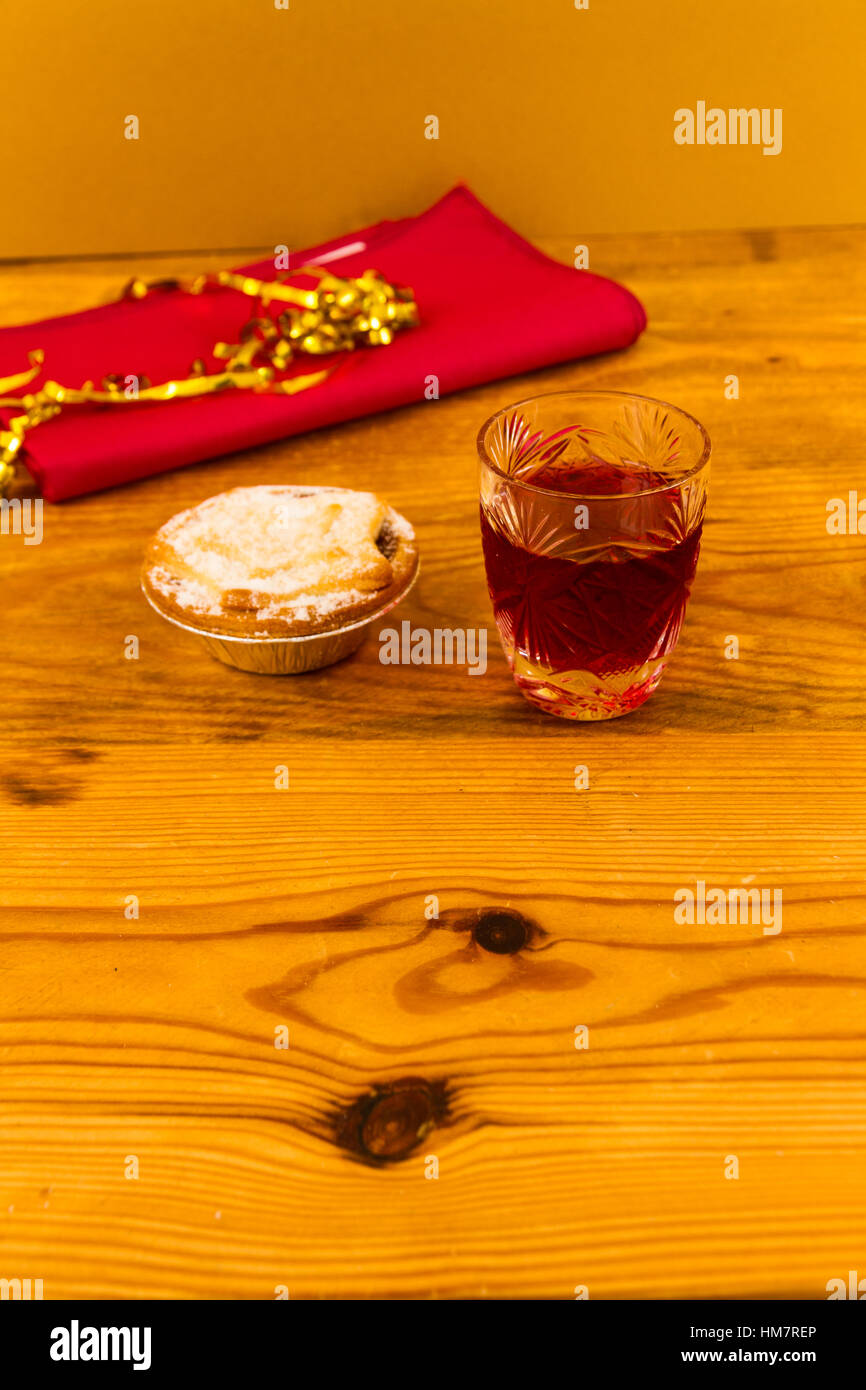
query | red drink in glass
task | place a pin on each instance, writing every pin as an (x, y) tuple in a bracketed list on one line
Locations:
[(591, 538)]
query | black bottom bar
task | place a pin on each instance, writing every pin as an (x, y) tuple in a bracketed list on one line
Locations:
[(283, 1339)]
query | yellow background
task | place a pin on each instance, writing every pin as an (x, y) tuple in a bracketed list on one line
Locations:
[(261, 126)]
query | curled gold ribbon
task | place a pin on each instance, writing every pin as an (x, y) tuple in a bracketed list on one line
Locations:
[(332, 315)]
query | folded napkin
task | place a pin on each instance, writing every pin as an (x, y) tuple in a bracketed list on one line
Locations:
[(491, 305)]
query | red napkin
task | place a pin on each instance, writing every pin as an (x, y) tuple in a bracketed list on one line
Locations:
[(491, 305)]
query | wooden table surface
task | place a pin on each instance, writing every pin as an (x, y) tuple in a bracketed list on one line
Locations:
[(308, 1169)]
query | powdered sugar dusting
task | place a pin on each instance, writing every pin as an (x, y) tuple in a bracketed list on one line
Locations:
[(276, 553)]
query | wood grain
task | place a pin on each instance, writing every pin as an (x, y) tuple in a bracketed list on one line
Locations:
[(452, 1037)]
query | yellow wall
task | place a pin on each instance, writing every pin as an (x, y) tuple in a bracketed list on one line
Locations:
[(261, 126)]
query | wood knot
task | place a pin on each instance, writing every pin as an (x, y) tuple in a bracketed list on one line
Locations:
[(501, 930), (387, 1123), (45, 780)]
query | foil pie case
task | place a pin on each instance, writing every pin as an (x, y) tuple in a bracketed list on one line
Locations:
[(286, 656)]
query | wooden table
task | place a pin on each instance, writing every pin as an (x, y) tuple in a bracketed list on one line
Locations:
[(308, 1169)]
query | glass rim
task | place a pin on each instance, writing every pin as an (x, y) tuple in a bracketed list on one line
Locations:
[(487, 461)]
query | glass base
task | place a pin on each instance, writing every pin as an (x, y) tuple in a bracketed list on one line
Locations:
[(584, 695)]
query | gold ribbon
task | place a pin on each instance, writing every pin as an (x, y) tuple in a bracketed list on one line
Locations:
[(333, 315)]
